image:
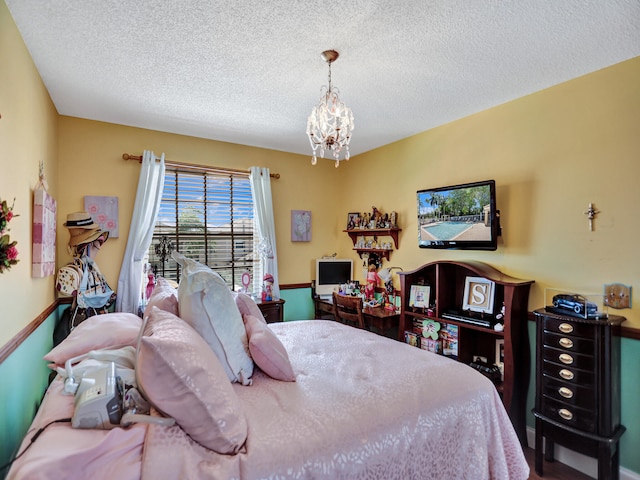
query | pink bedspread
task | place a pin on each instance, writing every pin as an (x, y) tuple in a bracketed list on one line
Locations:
[(363, 406)]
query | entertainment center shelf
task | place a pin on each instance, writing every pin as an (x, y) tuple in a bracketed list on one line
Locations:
[(374, 232), (447, 281)]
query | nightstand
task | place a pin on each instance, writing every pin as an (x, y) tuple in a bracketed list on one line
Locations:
[(272, 311)]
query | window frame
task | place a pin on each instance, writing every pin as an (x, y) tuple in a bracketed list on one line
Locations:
[(235, 233)]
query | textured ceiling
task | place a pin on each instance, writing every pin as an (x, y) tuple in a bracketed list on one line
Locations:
[(250, 71)]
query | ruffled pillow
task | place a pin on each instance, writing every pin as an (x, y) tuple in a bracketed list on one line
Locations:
[(207, 304), (164, 296), (267, 350), (182, 378), (100, 331)]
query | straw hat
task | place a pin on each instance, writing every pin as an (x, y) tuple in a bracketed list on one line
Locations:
[(82, 229)]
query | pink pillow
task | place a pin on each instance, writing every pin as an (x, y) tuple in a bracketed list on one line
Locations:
[(267, 350), (100, 331), (247, 306), (182, 377), (164, 296)]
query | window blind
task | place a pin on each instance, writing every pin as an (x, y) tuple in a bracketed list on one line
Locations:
[(207, 215)]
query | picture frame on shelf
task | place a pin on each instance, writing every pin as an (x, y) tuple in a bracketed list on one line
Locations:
[(479, 294), (353, 220), (419, 296)]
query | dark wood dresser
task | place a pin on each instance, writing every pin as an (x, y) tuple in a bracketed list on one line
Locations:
[(272, 310), (578, 389)]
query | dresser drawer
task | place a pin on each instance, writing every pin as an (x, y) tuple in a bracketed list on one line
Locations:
[(567, 327), (569, 393), (569, 374), (570, 415), (571, 343), (569, 359)]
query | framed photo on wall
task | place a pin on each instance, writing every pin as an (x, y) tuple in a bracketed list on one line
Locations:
[(300, 226), (104, 211), (478, 295)]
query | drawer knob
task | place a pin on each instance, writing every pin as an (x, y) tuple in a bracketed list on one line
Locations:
[(566, 414), (565, 327), (566, 374), (565, 392), (566, 342), (566, 358)]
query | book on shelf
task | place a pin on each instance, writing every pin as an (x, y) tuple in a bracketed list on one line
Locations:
[(412, 338), (449, 337)]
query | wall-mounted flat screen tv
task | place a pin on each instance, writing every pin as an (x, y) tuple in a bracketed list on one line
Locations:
[(459, 216)]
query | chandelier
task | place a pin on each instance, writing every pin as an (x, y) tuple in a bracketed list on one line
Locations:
[(330, 124)]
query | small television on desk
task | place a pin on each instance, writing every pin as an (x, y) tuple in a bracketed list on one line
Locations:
[(331, 273), (459, 217)]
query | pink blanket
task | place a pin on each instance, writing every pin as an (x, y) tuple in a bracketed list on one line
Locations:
[(362, 406)]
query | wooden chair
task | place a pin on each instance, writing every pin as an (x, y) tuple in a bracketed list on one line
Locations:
[(348, 310)]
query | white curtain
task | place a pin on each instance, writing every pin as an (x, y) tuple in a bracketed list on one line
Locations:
[(263, 213), (145, 211)]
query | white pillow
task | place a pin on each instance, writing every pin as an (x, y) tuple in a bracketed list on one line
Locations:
[(206, 303)]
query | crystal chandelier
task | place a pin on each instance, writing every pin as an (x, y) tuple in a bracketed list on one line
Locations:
[(330, 124)]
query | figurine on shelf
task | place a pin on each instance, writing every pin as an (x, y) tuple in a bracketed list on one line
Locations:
[(372, 283), (393, 220), (267, 287), (376, 217), (499, 327), (365, 220)]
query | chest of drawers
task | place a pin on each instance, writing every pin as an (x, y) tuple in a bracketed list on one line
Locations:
[(578, 388)]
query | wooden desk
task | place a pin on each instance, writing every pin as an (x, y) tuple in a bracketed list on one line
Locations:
[(379, 320)]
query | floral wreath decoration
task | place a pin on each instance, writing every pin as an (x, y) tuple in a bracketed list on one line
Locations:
[(8, 250), (430, 329)]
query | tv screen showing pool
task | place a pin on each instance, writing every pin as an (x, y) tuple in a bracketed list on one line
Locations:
[(458, 216)]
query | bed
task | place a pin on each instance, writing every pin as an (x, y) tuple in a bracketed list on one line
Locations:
[(358, 405)]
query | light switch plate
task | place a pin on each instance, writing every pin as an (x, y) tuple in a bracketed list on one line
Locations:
[(617, 295)]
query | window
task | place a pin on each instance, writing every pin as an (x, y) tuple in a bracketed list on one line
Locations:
[(207, 215)]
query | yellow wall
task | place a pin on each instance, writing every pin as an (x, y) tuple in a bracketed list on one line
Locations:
[(551, 154), (28, 135), (91, 164)]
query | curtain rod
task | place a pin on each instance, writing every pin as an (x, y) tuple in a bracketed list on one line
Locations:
[(127, 156)]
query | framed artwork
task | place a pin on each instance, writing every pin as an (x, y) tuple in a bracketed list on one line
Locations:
[(300, 226), (478, 295), (104, 211), (44, 234), (419, 296), (353, 220)]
